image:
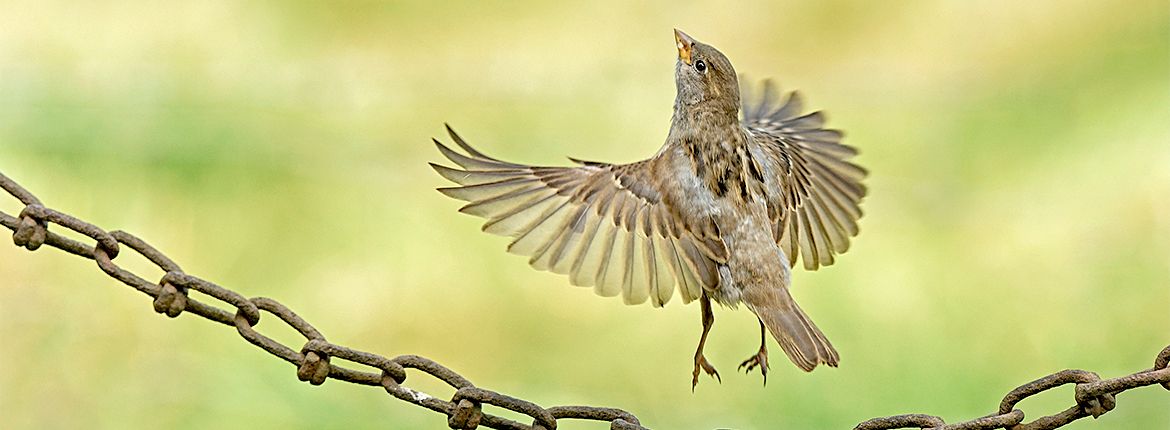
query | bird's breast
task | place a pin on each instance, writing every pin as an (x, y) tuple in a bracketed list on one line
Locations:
[(726, 168), (720, 182)]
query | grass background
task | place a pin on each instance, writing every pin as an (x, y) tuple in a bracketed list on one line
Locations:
[(1018, 221)]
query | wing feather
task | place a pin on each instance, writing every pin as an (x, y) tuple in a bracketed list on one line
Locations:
[(603, 225), (812, 189)]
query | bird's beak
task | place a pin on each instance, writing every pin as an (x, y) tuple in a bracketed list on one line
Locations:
[(685, 44)]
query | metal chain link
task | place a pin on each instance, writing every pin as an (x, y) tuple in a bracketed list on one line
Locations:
[(1093, 396), (315, 359)]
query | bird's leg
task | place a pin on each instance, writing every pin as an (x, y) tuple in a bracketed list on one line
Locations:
[(700, 360), (760, 359)]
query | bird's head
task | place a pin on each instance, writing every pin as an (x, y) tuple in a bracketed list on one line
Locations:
[(704, 77)]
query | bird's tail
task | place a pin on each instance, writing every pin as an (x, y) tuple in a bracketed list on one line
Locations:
[(804, 343)]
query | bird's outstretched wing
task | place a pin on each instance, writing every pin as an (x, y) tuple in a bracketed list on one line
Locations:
[(813, 190), (602, 224)]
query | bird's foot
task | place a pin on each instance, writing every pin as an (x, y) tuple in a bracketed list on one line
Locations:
[(760, 359), (701, 363)]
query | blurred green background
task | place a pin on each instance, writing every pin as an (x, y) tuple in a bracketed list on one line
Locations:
[(1018, 221)]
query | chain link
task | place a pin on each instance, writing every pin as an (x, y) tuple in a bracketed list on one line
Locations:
[(1093, 397), (314, 360)]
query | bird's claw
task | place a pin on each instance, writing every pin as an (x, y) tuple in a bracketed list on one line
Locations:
[(760, 359), (701, 363)]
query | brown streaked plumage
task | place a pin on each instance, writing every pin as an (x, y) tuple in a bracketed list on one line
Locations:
[(721, 211)]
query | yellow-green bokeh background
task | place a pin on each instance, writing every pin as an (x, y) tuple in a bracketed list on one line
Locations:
[(1018, 221)]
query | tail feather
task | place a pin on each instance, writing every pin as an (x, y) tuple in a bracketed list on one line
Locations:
[(800, 339)]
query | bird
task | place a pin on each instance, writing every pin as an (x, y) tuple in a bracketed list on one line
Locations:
[(741, 189)]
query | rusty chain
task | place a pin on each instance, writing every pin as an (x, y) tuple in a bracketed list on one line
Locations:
[(315, 359), (1093, 396)]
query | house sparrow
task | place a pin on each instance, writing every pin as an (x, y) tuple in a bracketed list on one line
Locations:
[(722, 210)]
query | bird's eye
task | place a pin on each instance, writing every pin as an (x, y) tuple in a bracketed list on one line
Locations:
[(701, 66)]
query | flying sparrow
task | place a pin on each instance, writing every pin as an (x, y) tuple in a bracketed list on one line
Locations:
[(722, 210)]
